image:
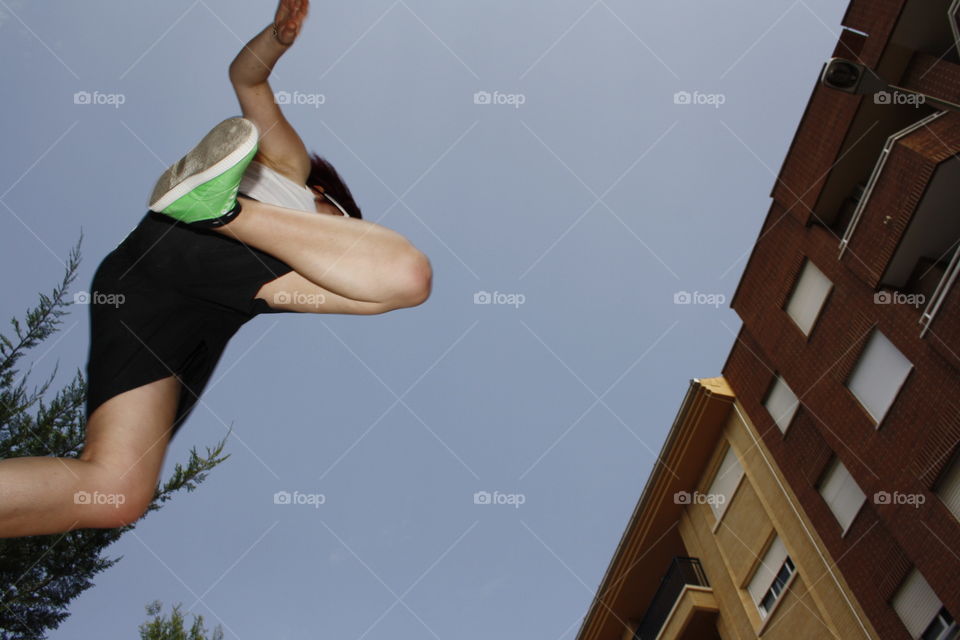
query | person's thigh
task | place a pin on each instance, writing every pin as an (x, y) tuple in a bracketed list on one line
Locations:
[(127, 437), (293, 292)]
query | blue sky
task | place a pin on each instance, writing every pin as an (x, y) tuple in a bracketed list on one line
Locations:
[(577, 187)]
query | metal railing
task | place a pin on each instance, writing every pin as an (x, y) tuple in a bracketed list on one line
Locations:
[(946, 283), (682, 571), (875, 175)]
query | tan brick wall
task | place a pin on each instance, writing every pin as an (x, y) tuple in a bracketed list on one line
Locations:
[(815, 605)]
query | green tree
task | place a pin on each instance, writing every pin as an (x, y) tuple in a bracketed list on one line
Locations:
[(161, 628), (40, 575)]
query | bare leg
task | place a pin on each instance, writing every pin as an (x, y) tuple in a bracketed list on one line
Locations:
[(293, 292), (353, 258), (113, 481)]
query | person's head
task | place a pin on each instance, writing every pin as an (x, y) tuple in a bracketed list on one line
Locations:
[(325, 181)]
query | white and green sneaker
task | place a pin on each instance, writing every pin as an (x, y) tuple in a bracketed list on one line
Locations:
[(201, 189)]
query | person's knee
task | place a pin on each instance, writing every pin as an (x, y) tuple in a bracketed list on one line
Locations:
[(414, 279), (124, 509), (115, 498)]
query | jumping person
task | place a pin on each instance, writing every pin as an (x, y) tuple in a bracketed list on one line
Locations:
[(246, 223)]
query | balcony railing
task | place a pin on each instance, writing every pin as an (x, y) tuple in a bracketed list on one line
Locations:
[(948, 280), (682, 571), (875, 175)]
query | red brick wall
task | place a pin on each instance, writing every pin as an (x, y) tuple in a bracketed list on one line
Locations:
[(876, 18), (898, 191), (906, 454), (933, 76), (849, 45), (819, 138), (815, 148), (922, 429)]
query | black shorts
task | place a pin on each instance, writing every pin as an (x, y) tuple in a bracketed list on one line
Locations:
[(165, 302)]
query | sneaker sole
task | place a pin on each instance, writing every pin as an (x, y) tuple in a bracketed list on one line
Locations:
[(227, 144)]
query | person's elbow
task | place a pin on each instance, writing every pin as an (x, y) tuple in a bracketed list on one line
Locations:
[(233, 72), (239, 77)]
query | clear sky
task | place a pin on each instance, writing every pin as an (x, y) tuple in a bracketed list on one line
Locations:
[(574, 186)]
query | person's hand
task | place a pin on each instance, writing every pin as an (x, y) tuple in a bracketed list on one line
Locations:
[(289, 19)]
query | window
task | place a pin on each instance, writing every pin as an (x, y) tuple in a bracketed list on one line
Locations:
[(878, 376), (782, 403), (808, 297), (771, 577), (921, 611), (779, 584), (948, 488), (841, 493), (943, 627), (725, 482)]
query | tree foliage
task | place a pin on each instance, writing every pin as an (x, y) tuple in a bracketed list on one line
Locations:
[(41, 575), (172, 628)]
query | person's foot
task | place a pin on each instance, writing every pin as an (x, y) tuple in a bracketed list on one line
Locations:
[(201, 189)]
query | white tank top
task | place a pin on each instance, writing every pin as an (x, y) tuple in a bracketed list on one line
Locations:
[(267, 185)]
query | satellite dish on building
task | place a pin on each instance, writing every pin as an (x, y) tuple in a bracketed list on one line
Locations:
[(852, 77)]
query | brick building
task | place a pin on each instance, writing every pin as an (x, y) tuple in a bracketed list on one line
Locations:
[(850, 303), (717, 546), (847, 368)]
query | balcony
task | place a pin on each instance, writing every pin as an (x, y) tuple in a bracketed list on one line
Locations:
[(903, 235), (683, 606), (944, 286), (883, 175)]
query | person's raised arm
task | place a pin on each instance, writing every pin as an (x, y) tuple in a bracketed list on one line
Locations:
[(249, 73)]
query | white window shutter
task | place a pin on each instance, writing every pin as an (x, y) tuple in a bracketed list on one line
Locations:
[(878, 375), (767, 570), (808, 297), (782, 403), (841, 493), (916, 603), (725, 482)]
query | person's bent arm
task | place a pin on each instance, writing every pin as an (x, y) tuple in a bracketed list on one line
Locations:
[(280, 145)]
